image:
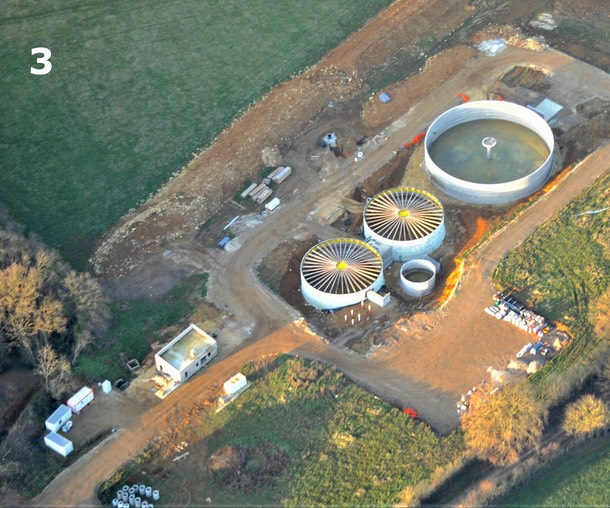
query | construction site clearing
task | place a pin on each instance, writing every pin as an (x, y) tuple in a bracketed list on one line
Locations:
[(419, 353)]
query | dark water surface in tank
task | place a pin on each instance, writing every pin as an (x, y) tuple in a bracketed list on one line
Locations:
[(418, 275), (518, 151)]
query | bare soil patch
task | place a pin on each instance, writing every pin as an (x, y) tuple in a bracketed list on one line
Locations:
[(247, 468), (527, 77)]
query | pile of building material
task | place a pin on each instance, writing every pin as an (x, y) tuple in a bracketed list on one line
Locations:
[(509, 309), (280, 174), (260, 193), (135, 496)]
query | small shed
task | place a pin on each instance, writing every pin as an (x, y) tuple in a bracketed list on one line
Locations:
[(273, 204), (58, 444), (60, 416), (378, 299), (80, 399), (236, 383)]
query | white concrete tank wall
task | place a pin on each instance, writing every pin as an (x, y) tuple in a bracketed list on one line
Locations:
[(338, 273), (413, 288), (424, 222), (482, 193)]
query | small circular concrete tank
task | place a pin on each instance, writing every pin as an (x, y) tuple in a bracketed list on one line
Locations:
[(489, 152), (418, 277), (337, 273), (408, 220)]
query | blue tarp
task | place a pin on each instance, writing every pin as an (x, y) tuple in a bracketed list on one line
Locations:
[(384, 97), (224, 241)]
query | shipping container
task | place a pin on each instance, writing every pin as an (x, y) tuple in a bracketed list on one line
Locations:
[(79, 400), (61, 415), (58, 444)]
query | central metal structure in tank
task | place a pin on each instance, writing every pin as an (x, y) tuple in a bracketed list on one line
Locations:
[(516, 159), (408, 220)]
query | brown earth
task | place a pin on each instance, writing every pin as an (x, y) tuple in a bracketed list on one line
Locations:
[(384, 375), (433, 357)]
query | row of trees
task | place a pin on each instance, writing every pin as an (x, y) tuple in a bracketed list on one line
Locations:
[(502, 426), (48, 313)]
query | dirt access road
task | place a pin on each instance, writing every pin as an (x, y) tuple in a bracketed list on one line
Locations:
[(409, 373)]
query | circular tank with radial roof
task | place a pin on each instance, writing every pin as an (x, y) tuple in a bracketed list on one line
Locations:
[(339, 272), (489, 152), (410, 221)]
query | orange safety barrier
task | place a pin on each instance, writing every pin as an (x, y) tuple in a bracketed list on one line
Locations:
[(415, 140)]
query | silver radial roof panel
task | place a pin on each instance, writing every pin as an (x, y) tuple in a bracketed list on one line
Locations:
[(403, 214), (341, 266)]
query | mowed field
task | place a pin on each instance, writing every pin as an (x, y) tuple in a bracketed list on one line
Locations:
[(136, 88), (581, 480)]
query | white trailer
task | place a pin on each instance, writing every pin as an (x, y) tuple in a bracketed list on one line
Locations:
[(59, 444), (80, 399), (60, 416)]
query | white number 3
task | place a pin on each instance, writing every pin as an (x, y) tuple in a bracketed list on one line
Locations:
[(44, 60)]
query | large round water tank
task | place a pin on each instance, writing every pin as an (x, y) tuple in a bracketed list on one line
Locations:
[(337, 273), (408, 220), (489, 152)]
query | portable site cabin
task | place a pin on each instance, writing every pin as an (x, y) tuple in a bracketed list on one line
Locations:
[(186, 354), (80, 399), (60, 416), (236, 383), (58, 444)]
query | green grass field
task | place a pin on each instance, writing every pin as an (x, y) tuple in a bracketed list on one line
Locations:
[(136, 324), (564, 268), (310, 438), (579, 479), (136, 87)]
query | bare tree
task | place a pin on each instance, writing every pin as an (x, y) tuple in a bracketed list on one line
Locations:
[(62, 378), (48, 364), (26, 316), (82, 339), (91, 305)]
